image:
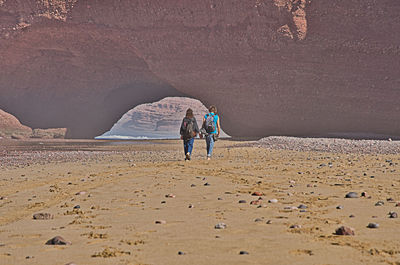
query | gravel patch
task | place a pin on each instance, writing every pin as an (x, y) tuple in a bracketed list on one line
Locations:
[(332, 145)]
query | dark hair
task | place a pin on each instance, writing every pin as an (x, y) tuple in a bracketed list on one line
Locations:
[(212, 108), (189, 113)]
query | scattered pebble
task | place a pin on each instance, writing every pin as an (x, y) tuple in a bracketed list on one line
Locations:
[(379, 203), (345, 231), (58, 240), (42, 216), (81, 193), (397, 204), (351, 195), (220, 226), (258, 220), (191, 206), (352, 216), (373, 225), (207, 184), (257, 202), (29, 257), (363, 194), (295, 226), (242, 201), (193, 185), (268, 222), (273, 201), (302, 206), (243, 252), (77, 207), (390, 199), (161, 222), (257, 193), (170, 195), (181, 253), (339, 207), (393, 215)]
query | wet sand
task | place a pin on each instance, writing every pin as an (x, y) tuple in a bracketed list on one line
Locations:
[(121, 192)]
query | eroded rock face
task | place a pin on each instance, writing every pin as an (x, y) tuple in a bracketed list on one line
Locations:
[(281, 67), (161, 119), (10, 126)]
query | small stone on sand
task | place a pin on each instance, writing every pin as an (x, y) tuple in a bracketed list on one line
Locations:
[(373, 225), (379, 203), (393, 215), (170, 195), (339, 207), (295, 226), (345, 231), (81, 193), (351, 195), (243, 252), (181, 253), (220, 226), (273, 201), (257, 202), (242, 201), (257, 193), (42, 216), (161, 222), (58, 240)]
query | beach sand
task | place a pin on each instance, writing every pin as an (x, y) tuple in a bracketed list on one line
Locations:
[(123, 189)]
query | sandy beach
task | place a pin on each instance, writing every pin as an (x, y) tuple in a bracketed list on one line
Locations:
[(141, 203)]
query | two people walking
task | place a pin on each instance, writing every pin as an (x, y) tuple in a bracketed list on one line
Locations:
[(210, 130)]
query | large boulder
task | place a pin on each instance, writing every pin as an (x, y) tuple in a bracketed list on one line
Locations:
[(287, 67)]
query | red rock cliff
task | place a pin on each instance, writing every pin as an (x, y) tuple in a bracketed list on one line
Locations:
[(292, 67)]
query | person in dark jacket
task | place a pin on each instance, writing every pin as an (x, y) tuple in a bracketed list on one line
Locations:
[(189, 130)]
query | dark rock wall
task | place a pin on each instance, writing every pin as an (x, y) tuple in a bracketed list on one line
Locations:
[(280, 67)]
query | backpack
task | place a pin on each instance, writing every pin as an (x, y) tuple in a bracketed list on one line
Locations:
[(209, 124), (188, 129)]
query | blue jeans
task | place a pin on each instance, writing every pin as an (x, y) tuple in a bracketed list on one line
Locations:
[(210, 144), (188, 146)]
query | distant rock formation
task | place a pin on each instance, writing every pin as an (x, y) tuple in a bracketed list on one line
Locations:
[(273, 67), (11, 128), (161, 119)]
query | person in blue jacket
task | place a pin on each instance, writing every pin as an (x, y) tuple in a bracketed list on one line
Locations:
[(211, 128)]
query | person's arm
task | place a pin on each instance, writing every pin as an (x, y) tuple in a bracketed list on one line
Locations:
[(218, 127), (196, 127)]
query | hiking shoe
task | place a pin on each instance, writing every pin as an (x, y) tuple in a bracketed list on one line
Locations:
[(187, 156)]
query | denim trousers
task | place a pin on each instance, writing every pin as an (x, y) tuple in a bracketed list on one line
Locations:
[(188, 146), (210, 144)]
